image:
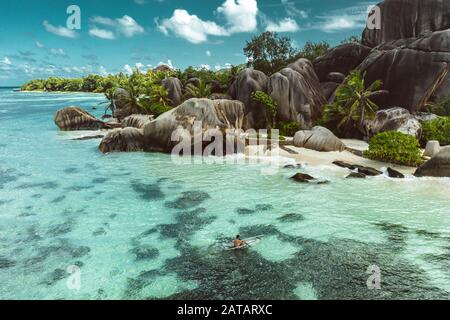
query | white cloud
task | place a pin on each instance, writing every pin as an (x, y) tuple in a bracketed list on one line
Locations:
[(102, 33), (292, 10), (225, 66), (128, 69), (205, 67), (60, 31), (337, 23), (102, 71), (353, 17), (125, 26), (190, 27), (57, 52), (208, 53), (39, 45), (6, 61), (285, 25), (168, 63), (240, 15)]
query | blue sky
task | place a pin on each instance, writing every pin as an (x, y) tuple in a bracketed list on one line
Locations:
[(117, 35)]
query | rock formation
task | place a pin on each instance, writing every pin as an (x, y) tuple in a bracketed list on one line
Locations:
[(123, 140), (247, 82), (75, 118), (319, 139), (174, 88), (136, 121), (298, 93), (396, 119), (438, 166)]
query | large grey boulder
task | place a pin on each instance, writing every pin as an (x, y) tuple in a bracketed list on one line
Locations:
[(319, 139), (438, 166), (137, 121), (298, 93), (75, 118), (414, 71), (174, 88), (432, 148), (121, 104), (220, 115), (123, 140), (342, 59), (247, 82), (329, 90), (396, 119), (408, 19)]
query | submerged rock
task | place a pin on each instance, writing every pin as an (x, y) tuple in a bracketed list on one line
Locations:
[(123, 140), (438, 166), (368, 171), (247, 82), (356, 175), (392, 173), (306, 178), (319, 139), (75, 118)]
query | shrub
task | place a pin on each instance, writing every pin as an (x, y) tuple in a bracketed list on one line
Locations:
[(395, 147), (441, 106), (438, 129), (267, 101), (289, 129)]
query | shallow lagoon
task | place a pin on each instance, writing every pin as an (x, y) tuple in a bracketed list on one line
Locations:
[(139, 226)]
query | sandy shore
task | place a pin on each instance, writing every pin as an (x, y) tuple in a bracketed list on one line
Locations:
[(316, 158)]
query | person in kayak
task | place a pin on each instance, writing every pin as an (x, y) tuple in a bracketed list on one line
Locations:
[(238, 243)]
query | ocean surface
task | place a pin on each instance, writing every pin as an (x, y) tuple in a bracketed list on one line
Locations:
[(78, 224)]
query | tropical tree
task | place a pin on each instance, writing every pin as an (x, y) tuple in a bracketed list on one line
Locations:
[(353, 105), (201, 90), (312, 50), (269, 52)]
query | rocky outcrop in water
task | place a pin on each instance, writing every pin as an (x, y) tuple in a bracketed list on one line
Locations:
[(408, 19), (247, 82), (215, 116), (122, 106), (438, 166), (396, 119), (298, 93), (342, 59), (136, 121), (174, 88), (75, 118), (123, 140), (414, 71), (319, 139), (368, 171)]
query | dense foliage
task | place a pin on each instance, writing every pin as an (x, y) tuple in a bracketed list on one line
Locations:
[(440, 106), (270, 53), (269, 104), (353, 105), (438, 129), (395, 147)]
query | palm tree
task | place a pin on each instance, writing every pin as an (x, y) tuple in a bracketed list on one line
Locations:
[(201, 90), (354, 105)]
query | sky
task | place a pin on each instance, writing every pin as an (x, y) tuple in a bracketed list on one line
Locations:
[(36, 40)]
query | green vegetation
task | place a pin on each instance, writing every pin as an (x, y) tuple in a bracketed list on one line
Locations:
[(438, 129), (352, 39), (289, 129), (353, 105), (271, 53), (441, 106), (201, 90), (395, 147), (270, 105)]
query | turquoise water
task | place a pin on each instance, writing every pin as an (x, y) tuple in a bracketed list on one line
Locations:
[(138, 226)]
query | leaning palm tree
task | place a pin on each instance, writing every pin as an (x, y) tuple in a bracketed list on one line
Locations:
[(354, 102), (201, 90)]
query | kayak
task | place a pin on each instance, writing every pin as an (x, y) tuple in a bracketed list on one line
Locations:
[(249, 242)]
